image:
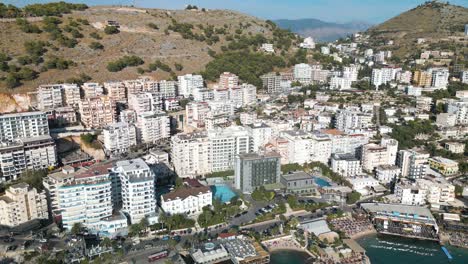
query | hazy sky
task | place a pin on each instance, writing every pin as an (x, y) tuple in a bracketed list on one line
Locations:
[(374, 11)]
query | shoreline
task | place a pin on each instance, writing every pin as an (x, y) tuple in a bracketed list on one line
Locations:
[(364, 233), (271, 250)]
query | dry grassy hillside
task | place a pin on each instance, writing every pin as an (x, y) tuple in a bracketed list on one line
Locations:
[(432, 20), (136, 37)]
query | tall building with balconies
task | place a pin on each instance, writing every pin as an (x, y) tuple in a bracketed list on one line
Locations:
[(119, 137), (97, 112)]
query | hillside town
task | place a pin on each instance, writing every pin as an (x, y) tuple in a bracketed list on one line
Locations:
[(353, 142)]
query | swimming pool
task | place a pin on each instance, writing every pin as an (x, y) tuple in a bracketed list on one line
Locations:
[(321, 182), (222, 192)]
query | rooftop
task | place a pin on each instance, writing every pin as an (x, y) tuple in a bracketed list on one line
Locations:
[(397, 209), (297, 175), (185, 192)]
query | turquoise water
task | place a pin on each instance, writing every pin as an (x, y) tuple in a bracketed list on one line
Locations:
[(321, 182), (383, 249), (289, 257), (222, 192)]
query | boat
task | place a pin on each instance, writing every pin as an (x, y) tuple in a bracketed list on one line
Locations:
[(447, 253)]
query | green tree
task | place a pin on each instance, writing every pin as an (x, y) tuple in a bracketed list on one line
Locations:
[(110, 30), (353, 197), (96, 45), (34, 178), (77, 228)]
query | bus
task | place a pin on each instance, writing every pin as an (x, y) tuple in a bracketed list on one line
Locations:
[(159, 255)]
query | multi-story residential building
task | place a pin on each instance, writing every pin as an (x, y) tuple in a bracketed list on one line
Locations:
[(362, 184), (298, 146), (387, 173), (410, 194), (464, 77), (319, 75), (321, 147), (347, 119), (97, 112), (202, 94), (440, 77), (128, 116), (351, 72), (134, 86), (71, 94), (340, 83), (383, 76), (145, 101), (272, 83), (92, 90), (261, 134), (413, 163), (188, 83), (303, 73), (374, 155), (50, 96), (249, 94), (437, 191), (345, 143), (459, 108), (196, 113), (228, 80), (34, 153), (171, 104), (51, 184), (190, 154), (168, 89), (404, 77), (87, 198), (446, 120), (347, 165), (152, 126), (248, 118), (455, 147), (423, 103), (21, 204), (413, 91), (444, 166), (254, 170), (23, 125), (225, 144), (422, 78), (137, 183), (63, 116), (187, 200), (116, 91), (119, 137)]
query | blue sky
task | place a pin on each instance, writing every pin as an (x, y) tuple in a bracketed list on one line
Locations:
[(373, 11)]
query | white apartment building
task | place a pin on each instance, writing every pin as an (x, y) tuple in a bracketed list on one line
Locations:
[(267, 47), (347, 165), (97, 112), (351, 72), (347, 119), (86, 199), (196, 113), (437, 191), (410, 194), (248, 118), (50, 96), (340, 83), (303, 73), (387, 173), (306, 147), (137, 190), (153, 126), (423, 103), (440, 77), (21, 204), (51, 184), (308, 43), (374, 155), (202, 94), (319, 75), (455, 147), (345, 143), (249, 94), (116, 91), (188, 83), (168, 89), (404, 77), (383, 76), (226, 144), (261, 134), (188, 201), (23, 125), (190, 154), (128, 116), (71, 94), (92, 90), (34, 153), (272, 83), (464, 77), (446, 120), (413, 91), (459, 109), (145, 101), (363, 183), (119, 137), (413, 163)]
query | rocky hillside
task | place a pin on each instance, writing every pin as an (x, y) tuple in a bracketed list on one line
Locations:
[(81, 45), (437, 22)]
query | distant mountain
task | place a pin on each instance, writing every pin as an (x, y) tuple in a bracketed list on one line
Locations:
[(321, 30)]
